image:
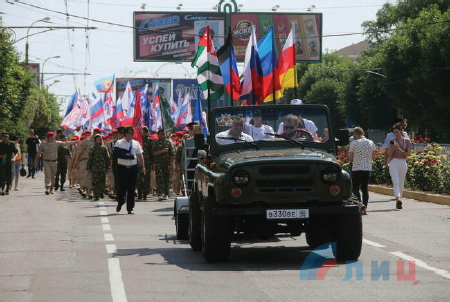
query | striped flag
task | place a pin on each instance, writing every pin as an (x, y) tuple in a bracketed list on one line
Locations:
[(286, 63), (209, 76)]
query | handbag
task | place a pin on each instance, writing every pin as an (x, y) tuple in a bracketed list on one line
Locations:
[(22, 171), (123, 153)]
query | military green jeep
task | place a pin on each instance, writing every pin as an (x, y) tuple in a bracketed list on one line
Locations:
[(272, 169)]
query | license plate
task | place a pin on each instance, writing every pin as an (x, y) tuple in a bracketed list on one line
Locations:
[(287, 214)]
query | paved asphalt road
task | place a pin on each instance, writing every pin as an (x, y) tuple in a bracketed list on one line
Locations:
[(65, 248)]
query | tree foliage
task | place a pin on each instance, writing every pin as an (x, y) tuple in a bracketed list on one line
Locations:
[(22, 103)]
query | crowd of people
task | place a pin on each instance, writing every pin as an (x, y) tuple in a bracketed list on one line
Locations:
[(113, 165)]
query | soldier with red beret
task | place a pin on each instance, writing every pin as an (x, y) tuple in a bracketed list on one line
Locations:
[(49, 153)]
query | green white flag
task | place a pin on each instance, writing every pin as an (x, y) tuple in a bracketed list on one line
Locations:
[(209, 76)]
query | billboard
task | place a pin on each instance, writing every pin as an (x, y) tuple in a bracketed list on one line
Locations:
[(182, 86), (32, 68), (173, 36), (137, 83), (308, 29)]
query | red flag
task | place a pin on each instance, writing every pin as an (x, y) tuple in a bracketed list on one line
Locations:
[(137, 120)]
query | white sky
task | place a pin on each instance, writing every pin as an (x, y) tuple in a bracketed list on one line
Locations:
[(111, 47)]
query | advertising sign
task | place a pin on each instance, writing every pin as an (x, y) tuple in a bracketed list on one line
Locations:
[(183, 86), (174, 36), (308, 30), (137, 83), (32, 68)]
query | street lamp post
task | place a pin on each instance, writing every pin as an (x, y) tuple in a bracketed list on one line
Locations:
[(46, 19), (43, 64), (54, 82)]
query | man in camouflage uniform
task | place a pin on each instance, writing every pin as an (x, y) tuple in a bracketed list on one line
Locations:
[(163, 153), (7, 151), (49, 153), (143, 182), (97, 165), (63, 159)]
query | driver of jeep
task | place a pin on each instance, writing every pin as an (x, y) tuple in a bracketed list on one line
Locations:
[(235, 134), (294, 128)]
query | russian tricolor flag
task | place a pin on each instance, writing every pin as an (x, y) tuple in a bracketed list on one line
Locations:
[(252, 83), (269, 66)]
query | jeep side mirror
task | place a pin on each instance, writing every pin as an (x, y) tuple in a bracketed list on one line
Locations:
[(343, 137), (199, 140)]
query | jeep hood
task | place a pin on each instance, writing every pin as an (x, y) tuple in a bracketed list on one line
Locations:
[(230, 159)]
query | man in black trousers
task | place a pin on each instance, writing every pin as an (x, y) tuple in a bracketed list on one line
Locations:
[(128, 153)]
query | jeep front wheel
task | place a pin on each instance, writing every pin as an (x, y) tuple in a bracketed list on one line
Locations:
[(349, 236), (216, 237)]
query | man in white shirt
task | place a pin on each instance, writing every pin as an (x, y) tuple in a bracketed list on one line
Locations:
[(361, 154), (258, 131), (127, 169), (235, 134)]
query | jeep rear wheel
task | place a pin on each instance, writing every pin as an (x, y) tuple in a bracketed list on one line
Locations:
[(195, 222), (349, 236), (216, 237), (182, 225)]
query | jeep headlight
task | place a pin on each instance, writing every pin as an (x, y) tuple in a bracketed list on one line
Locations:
[(329, 175), (241, 178)]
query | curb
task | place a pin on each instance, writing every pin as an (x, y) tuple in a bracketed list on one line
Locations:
[(422, 196)]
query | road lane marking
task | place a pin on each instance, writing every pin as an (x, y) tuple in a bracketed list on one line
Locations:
[(373, 243), (111, 249), (106, 227), (104, 219), (103, 213), (115, 281), (101, 202), (422, 264), (108, 237)]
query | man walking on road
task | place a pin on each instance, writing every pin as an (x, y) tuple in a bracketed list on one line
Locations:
[(49, 151), (63, 159), (7, 151), (32, 148), (361, 154), (128, 153)]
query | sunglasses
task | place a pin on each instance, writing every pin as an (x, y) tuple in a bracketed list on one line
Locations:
[(288, 127)]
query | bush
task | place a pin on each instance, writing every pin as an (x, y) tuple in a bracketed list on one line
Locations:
[(427, 170)]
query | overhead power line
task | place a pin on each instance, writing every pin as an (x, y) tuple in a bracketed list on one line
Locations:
[(168, 31)]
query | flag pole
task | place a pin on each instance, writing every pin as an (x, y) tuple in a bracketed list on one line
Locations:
[(295, 64), (208, 82)]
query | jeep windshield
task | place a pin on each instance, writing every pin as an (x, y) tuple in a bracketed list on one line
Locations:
[(294, 123)]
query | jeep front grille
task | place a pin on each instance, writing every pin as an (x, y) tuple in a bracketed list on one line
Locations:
[(286, 170)]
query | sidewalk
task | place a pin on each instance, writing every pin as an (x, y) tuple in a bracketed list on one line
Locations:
[(418, 195)]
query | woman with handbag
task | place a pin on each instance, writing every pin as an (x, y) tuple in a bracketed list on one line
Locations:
[(16, 163), (399, 150)]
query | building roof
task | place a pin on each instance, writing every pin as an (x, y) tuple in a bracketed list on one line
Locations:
[(354, 49)]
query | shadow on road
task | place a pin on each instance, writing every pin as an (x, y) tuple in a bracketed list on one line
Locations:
[(388, 210)]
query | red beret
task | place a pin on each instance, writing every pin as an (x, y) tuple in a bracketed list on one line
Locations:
[(87, 132), (74, 138), (104, 136), (154, 136), (82, 137), (97, 130), (50, 134), (180, 133)]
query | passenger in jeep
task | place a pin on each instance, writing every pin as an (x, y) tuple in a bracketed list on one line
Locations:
[(235, 134), (294, 127)]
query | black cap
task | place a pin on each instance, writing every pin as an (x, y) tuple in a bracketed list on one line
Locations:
[(62, 135), (257, 113), (5, 134), (191, 124), (59, 131)]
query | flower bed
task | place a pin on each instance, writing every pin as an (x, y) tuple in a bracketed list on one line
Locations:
[(427, 170)]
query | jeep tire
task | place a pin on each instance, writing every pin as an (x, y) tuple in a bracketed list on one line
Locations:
[(195, 222), (182, 225), (319, 232), (216, 237), (349, 236)]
